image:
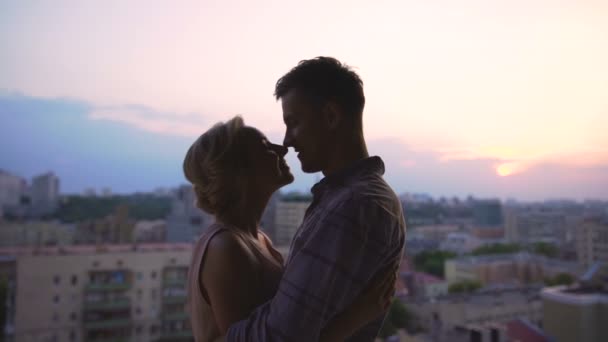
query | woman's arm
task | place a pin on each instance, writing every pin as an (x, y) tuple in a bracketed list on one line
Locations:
[(228, 276), (368, 306)]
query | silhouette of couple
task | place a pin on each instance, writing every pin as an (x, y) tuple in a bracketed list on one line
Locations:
[(339, 278)]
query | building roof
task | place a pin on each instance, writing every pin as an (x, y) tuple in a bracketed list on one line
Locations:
[(95, 249)]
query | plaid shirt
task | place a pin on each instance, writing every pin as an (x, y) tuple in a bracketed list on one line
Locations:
[(353, 228)]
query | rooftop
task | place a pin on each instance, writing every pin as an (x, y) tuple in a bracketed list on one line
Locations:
[(95, 249)]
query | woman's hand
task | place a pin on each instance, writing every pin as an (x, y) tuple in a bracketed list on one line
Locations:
[(377, 297), (370, 304)]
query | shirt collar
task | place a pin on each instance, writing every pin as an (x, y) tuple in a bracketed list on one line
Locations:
[(365, 166)]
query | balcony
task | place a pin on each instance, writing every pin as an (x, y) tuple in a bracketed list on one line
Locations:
[(107, 324), (174, 299), (174, 282), (116, 304), (107, 286), (109, 339), (176, 336), (175, 316)]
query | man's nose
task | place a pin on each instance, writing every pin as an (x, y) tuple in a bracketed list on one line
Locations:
[(280, 149), (287, 140)]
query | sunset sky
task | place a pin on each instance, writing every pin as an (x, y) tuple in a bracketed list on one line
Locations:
[(490, 98)]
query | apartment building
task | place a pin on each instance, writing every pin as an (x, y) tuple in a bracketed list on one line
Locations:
[(98, 293), (592, 241), (516, 268), (479, 308), (289, 215), (584, 307)]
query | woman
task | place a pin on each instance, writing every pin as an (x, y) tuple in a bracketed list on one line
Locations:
[(234, 170)]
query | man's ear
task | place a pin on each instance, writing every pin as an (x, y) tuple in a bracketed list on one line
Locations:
[(332, 115)]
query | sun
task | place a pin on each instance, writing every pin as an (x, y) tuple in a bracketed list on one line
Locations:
[(505, 169)]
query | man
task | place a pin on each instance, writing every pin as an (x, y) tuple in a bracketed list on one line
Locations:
[(353, 229)]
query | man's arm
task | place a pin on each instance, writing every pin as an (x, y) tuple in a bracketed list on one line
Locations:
[(324, 276)]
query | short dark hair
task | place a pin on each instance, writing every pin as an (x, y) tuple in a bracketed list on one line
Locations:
[(325, 79)]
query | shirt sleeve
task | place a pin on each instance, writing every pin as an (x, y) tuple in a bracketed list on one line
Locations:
[(330, 269)]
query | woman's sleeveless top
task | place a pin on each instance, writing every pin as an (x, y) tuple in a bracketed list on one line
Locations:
[(202, 319)]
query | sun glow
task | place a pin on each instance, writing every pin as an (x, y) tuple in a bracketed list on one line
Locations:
[(508, 169)]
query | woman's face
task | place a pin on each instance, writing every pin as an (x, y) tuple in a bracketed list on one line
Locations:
[(267, 163)]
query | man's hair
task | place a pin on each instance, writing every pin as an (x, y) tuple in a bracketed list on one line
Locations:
[(325, 79)]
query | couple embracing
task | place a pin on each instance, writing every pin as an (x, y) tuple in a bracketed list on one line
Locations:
[(338, 280)]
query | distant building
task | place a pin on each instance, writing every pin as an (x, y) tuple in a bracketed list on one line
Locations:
[(12, 191), (89, 293), (150, 231), (115, 228), (424, 285), (531, 225), (106, 192), (289, 215), (518, 269), (36, 233), (487, 213), (592, 241), (460, 243), (416, 244), (268, 222), (578, 313), (436, 232), (186, 222), (44, 194), (459, 311), (90, 192)]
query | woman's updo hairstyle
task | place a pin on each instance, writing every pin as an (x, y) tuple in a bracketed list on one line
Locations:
[(213, 164)]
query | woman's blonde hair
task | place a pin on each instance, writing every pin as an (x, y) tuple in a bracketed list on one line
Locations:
[(213, 165)]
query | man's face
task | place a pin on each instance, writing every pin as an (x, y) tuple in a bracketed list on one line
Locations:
[(305, 130)]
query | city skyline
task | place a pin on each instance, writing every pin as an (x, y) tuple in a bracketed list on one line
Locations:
[(495, 100)]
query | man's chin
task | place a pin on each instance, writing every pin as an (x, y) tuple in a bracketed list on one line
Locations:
[(310, 168)]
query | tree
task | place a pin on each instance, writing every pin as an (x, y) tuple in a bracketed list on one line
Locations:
[(464, 286), (545, 249), (432, 261), (560, 279), (497, 248), (398, 318)]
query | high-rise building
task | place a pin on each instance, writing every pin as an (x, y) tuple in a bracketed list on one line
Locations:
[(12, 190), (186, 221), (592, 241), (578, 313), (487, 213), (97, 293), (44, 194), (289, 215), (531, 225)]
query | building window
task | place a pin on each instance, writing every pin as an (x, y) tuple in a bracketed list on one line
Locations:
[(74, 280), (72, 336), (153, 329), (56, 280), (73, 316), (56, 299), (172, 261), (153, 293), (139, 276), (119, 263), (138, 311), (95, 263), (138, 330), (55, 317), (139, 293), (153, 275)]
